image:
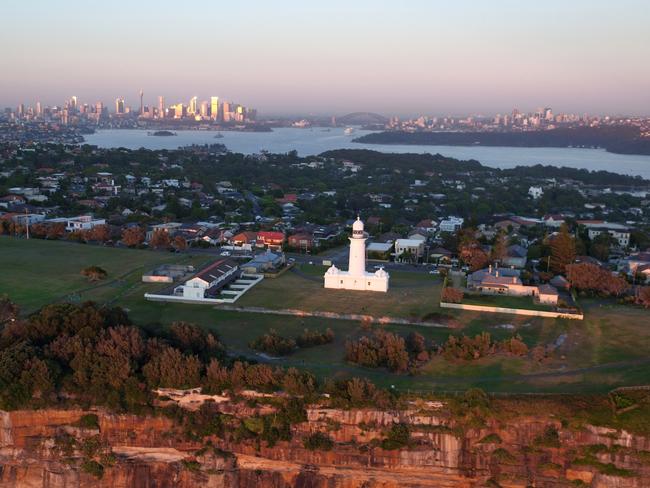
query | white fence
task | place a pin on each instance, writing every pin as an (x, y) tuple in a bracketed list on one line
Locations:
[(513, 311)]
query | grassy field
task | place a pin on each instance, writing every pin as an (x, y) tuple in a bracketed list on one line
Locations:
[(411, 295), (34, 273), (504, 301)]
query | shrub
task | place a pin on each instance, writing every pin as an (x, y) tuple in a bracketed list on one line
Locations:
[(491, 439), (93, 468), (274, 344), (94, 273), (452, 295), (382, 349), (550, 438), (399, 436), (88, 421), (318, 442), (310, 338), (503, 455)]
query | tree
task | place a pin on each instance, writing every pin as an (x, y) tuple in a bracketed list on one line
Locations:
[(171, 369), (473, 256), (452, 295), (563, 250), (179, 243), (643, 296), (593, 278), (8, 310), (500, 248), (99, 233), (55, 231), (94, 273), (159, 239), (133, 236)]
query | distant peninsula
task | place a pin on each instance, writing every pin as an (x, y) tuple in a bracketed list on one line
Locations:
[(617, 139)]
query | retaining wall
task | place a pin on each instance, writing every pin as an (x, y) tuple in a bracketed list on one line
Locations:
[(513, 311)]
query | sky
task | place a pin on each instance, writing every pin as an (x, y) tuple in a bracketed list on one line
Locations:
[(408, 57)]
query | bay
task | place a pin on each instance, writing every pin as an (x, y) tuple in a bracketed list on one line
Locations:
[(316, 140)]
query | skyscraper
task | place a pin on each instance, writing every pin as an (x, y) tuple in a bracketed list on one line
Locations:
[(141, 104), (204, 109), (214, 108), (119, 105), (161, 107), (192, 106)]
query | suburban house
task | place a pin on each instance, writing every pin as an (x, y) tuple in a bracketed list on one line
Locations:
[(451, 224), (426, 226), (270, 239), (379, 250), (547, 295), (619, 232), (169, 227), (302, 241), (440, 254), (208, 282), (80, 223), (506, 281), (246, 238), (516, 256), (264, 263), (553, 220), (535, 192), (413, 248)]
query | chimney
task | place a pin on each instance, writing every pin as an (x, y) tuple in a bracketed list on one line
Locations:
[(490, 269)]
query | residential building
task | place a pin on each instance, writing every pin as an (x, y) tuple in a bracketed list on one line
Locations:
[(208, 282), (409, 249), (451, 224), (270, 239)]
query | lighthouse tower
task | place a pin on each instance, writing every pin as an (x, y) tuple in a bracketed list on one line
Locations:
[(357, 264), (357, 278)]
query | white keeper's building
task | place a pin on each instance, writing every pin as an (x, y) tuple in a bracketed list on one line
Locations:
[(357, 278)]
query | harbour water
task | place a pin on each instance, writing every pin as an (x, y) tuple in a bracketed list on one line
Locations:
[(317, 140)]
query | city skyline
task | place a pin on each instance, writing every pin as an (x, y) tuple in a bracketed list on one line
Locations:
[(335, 58)]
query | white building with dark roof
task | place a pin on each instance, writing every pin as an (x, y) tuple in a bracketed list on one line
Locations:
[(208, 282)]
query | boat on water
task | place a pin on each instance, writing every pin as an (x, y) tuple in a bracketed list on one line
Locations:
[(348, 131), (218, 135)]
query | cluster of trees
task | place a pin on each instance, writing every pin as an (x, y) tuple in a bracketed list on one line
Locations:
[(92, 355), (591, 278), (277, 345), (481, 345), (388, 350), (56, 230), (309, 338)]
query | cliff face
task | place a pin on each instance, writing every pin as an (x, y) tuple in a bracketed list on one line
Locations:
[(56, 449)]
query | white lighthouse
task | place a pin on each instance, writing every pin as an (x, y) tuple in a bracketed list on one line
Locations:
[(357, 278)]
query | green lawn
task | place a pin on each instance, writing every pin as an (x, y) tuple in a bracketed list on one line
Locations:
[(411, 295), (504, 301), (35, 272)]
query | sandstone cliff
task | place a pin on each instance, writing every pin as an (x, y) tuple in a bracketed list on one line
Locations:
[(62, 449)]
